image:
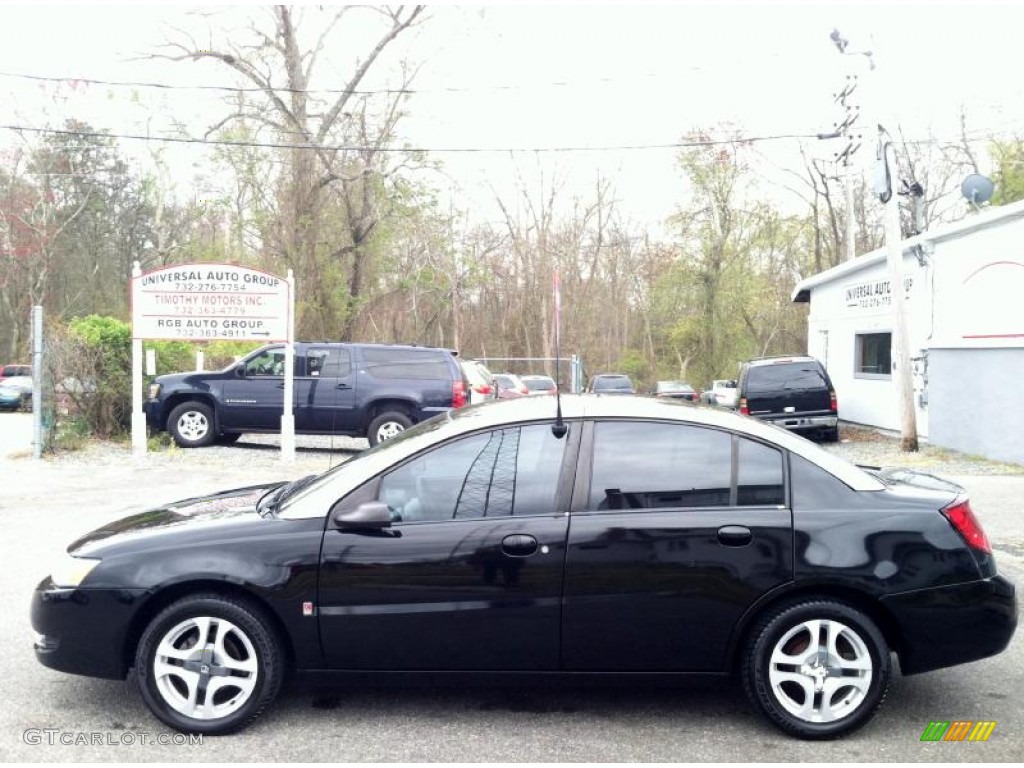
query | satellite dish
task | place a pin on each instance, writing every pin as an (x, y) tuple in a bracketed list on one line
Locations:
[(977, 189)]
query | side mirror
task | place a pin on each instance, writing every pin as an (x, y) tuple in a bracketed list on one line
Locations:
[(369, 514), (240, 371)]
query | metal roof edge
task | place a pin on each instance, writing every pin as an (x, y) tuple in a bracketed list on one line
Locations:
[(987, 218)]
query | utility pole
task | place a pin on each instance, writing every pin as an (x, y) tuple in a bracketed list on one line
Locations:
[(900, 335), (886, 187)]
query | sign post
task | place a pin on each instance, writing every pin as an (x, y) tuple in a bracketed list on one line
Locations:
[(210, 302)]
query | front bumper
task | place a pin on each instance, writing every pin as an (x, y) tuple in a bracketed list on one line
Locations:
[(152, 410), (84, 631), (952, 625)]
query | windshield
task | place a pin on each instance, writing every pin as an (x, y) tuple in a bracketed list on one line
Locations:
[(612, 382), (396, 442)]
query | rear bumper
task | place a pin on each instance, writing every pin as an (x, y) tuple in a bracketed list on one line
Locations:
[(955, 624), (797, 422)]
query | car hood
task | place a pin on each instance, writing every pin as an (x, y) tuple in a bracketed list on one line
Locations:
[(198, 516)]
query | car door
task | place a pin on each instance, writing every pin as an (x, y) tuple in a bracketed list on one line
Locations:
[(255, 400), (675, 531), (329, 391), (469, 576)]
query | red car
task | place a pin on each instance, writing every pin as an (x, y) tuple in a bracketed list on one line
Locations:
[(9, 370), (510, 386)]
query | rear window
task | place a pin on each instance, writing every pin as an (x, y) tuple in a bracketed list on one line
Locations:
[(613, 382), (398, 363), (536, 384), (772, 378)]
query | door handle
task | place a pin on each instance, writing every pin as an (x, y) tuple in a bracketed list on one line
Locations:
[(343, 386), (734, 535), (519, 545)]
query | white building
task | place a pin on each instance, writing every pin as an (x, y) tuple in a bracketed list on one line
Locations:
[(965, 312)]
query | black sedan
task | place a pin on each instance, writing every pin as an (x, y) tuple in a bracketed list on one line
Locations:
[(641, 538)]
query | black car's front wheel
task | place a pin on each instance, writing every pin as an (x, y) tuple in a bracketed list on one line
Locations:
[(208, 664), (817, 669)]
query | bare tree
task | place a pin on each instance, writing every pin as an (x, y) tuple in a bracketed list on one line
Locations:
[(335, 163)]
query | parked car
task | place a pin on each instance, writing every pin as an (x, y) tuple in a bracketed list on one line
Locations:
[(510, 386), (371, 390), (648, 541), (722, 392), (15, 393), (611, 384), (481, 381), (792, 392), (540, 385), (677, 390), (10, 370)]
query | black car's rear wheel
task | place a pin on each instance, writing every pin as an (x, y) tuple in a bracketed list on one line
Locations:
[(208, 664), (817, 669)]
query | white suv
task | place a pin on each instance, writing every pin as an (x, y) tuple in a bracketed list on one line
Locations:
[(481, 381)]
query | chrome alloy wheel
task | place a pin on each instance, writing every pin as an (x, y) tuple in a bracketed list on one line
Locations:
[(389, 429), (205, 668), (820, 671), (193, 425)]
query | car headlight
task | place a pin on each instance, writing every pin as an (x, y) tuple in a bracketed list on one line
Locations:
[(154, 391), (71, 571)]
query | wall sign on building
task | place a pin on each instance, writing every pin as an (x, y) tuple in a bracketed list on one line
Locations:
[(873, 294)]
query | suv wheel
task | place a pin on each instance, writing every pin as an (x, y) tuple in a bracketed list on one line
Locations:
[(387, 425), (208, 664), (191, 425), (817, 669)]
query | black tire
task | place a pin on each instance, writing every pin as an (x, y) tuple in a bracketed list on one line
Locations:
[(191, 425), (387, 424), (228, 438), (836, 709), (830, 435), (167, 694)]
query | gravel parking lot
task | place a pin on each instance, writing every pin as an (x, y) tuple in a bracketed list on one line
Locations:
[(45, 504)]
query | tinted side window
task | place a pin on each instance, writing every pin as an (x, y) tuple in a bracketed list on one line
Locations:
[(758, 474), (507, 472), (647, 466), (397, 363), (772, 378), (333, 362)]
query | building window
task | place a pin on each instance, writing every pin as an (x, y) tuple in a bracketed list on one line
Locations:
[(874, 356)]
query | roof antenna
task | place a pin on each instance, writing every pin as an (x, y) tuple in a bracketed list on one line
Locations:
[(559, 428)]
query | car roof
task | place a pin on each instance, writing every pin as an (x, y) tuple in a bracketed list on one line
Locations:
[(759, 361)]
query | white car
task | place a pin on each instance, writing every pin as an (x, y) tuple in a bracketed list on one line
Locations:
[(722, 392), (481, 381)]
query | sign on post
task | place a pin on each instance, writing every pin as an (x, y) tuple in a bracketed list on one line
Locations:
[(208, 302), (212, 302)]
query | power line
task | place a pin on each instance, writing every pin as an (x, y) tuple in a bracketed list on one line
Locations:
[(356, 91), (364, 148)]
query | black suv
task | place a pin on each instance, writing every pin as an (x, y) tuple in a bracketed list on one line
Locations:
[(371, 390), (791, 392)]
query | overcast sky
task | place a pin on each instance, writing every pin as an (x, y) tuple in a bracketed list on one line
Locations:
[(531, 77)]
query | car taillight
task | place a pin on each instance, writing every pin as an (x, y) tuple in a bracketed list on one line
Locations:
[(524, 390), (833, 404), (458, 394), (967, 525), (743, 407), (484, 389)]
